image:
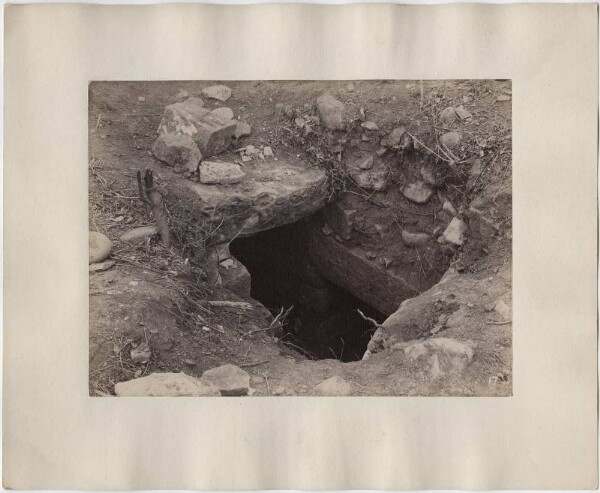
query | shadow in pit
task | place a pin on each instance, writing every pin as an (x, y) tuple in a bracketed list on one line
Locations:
[(324, 322)]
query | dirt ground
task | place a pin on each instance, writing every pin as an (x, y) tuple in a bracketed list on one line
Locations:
[(160, 297)]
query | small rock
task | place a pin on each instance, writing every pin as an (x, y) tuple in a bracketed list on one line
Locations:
[(463, 114), (429, 177), (381, 151), (417, 192), (449, 208), (139, 234), (268, 152), (229, 379), (223, 113), (451, 139), (141, 98), (215, 172), (503, 97), (242, 129), (182, 95), (299, 122), (350, 87), (141, 354), (334, 387), (101, 266), (371, 255), (219, 92), (364, 162), (414, 239), (455, 232), (330, 112), (386, 261), (503, 310), (327, 229), (448, 115), (165, 385), (394, 138), (375, 178), (100, 247), (380, 230), (245, 158), (371, 126), (252, 150), (227, 263)]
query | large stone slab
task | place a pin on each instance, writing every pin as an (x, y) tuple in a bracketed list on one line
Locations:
[(166, 385), (269, 196)]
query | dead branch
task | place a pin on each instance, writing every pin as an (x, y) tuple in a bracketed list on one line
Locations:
[(368, 319), (152, 197), (231, 304)]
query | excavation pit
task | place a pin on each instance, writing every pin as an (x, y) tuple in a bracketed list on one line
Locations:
[(325, 321)]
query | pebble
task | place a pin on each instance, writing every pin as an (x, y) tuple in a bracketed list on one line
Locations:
[(455, 232)]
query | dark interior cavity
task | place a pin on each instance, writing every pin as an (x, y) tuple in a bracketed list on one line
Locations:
[(324, 322)]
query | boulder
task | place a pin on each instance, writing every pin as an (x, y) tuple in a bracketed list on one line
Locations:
[(215, 172), (139, 234), (340, 219), (333, 387), (414, 239), (242, 129), (166, 385), (417, 192), (451, 139), (219, 92), (455, 232), (211, 134), (177, 150), (330, 112), (394, 138), (100, 247), (448, 115), (224, 113), (436, 357), (231, 380)]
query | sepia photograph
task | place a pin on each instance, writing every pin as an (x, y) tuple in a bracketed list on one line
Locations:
[(300, 238)]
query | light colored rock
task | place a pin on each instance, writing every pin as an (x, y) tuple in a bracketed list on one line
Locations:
[(429, 177), (331, 112), (334, 387), (101, 266), (242, 129), (211, 134), (166, 385), (215, 172), (437, 357), (414, 239), (455, 232), (231, 380), (223, 113), (451, 139), (268, 152), (449, 208), (177, 150), (100, 247), (182, 95), (141, 353), (340, 219), (503, 310), (364, 162), (448, 115), (371, 126), (463, 114), (375, 178), (283, 391), (394, 138), (139, 234), (417, 192), (219, 92)]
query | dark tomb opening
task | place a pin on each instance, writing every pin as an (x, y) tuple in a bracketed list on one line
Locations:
[(324, 322)]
